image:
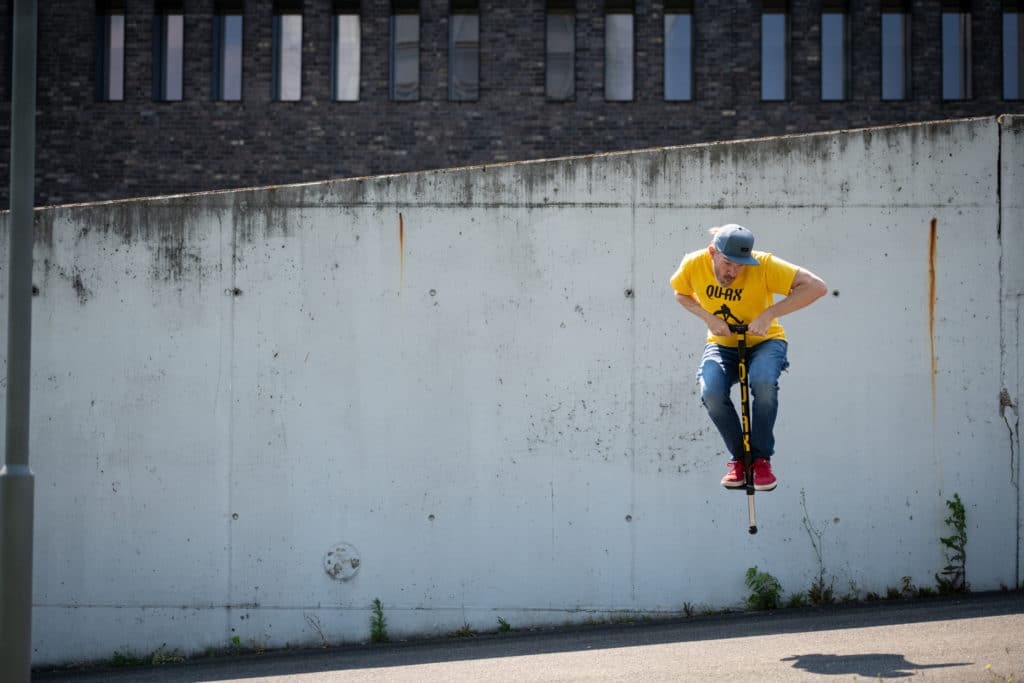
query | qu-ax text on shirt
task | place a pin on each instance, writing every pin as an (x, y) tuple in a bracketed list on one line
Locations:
[(727, 293)]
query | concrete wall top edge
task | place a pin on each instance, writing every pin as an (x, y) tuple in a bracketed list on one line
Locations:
[(950, 163), (349, 189)]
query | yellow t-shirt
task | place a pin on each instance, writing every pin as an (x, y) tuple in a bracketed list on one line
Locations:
[(748, 295)]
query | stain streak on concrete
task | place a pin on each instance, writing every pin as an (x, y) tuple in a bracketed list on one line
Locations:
[(932, 239)]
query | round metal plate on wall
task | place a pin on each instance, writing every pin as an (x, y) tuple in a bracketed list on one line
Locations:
[(342, 562)]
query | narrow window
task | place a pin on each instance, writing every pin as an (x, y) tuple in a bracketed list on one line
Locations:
[(1013, 49), (560, 50), (895, 50), (835, 50), (774, 50), (346, 39), (286, 79), (404, 63), (956, 50), (618, 50), (168, 49), (227, 50), (464, 50), (110, 50), (9, 83), (679, 49)]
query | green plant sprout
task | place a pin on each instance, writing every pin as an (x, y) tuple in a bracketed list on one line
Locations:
[(820, 592), (465, 632), (953, 578), (378, 624), (765, 590)]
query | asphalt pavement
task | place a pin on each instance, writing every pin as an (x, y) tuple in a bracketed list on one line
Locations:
[(977, 637)]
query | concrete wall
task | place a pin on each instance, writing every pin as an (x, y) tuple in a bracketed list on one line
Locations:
[(476, 384)]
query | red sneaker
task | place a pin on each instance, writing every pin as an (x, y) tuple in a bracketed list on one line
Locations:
[(764, 480), (736, 477)]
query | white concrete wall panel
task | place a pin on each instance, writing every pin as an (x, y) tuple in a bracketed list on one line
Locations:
[(477, 383), (1011, 276)]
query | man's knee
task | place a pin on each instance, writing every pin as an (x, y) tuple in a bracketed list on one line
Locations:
[(714, 393), (764, 378), (764, 389)]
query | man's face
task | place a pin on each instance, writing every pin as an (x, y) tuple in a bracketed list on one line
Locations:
[(725, 270)]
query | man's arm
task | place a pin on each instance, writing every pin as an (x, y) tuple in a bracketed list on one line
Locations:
[(806, 289), (717, 326)]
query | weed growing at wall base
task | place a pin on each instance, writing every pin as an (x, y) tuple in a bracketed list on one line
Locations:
[(127, 659), (765, 590), (953, 578), (158, 657), (378, 624), (465, 632), (820, 592), (797, 599)]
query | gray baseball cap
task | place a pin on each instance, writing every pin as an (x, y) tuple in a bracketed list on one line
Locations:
[(736, 244)]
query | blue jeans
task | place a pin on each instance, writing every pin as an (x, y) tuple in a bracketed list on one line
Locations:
[(719, 370)]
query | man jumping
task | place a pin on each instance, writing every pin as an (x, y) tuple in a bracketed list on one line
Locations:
[(730, 272)]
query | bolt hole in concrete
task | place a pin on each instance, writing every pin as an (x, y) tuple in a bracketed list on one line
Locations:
[(430, 518), (234, 516), (835, 292), (629, 518)]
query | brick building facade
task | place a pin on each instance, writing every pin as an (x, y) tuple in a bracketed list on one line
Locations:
[(90, 149)]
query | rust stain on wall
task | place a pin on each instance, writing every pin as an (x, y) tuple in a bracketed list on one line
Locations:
[(932, 239), (401, 251)]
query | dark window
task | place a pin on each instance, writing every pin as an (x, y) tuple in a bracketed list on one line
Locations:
[(286, 79), (1013, 50), (168, 50), (956, 50), (464, 51), (9, 83), (110, 50), (835, 51), (560, 50), (404, 52), (895, 50), (774, 50), (227, 50), (346, 38), (618, 50), (678, 26)]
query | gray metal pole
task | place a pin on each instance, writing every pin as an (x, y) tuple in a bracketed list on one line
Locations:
[(16, 481)]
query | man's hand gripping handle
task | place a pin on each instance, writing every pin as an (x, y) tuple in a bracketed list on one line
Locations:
[(734, 323)]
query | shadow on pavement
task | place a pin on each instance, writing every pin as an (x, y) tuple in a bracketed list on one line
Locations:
[(869, 665)]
